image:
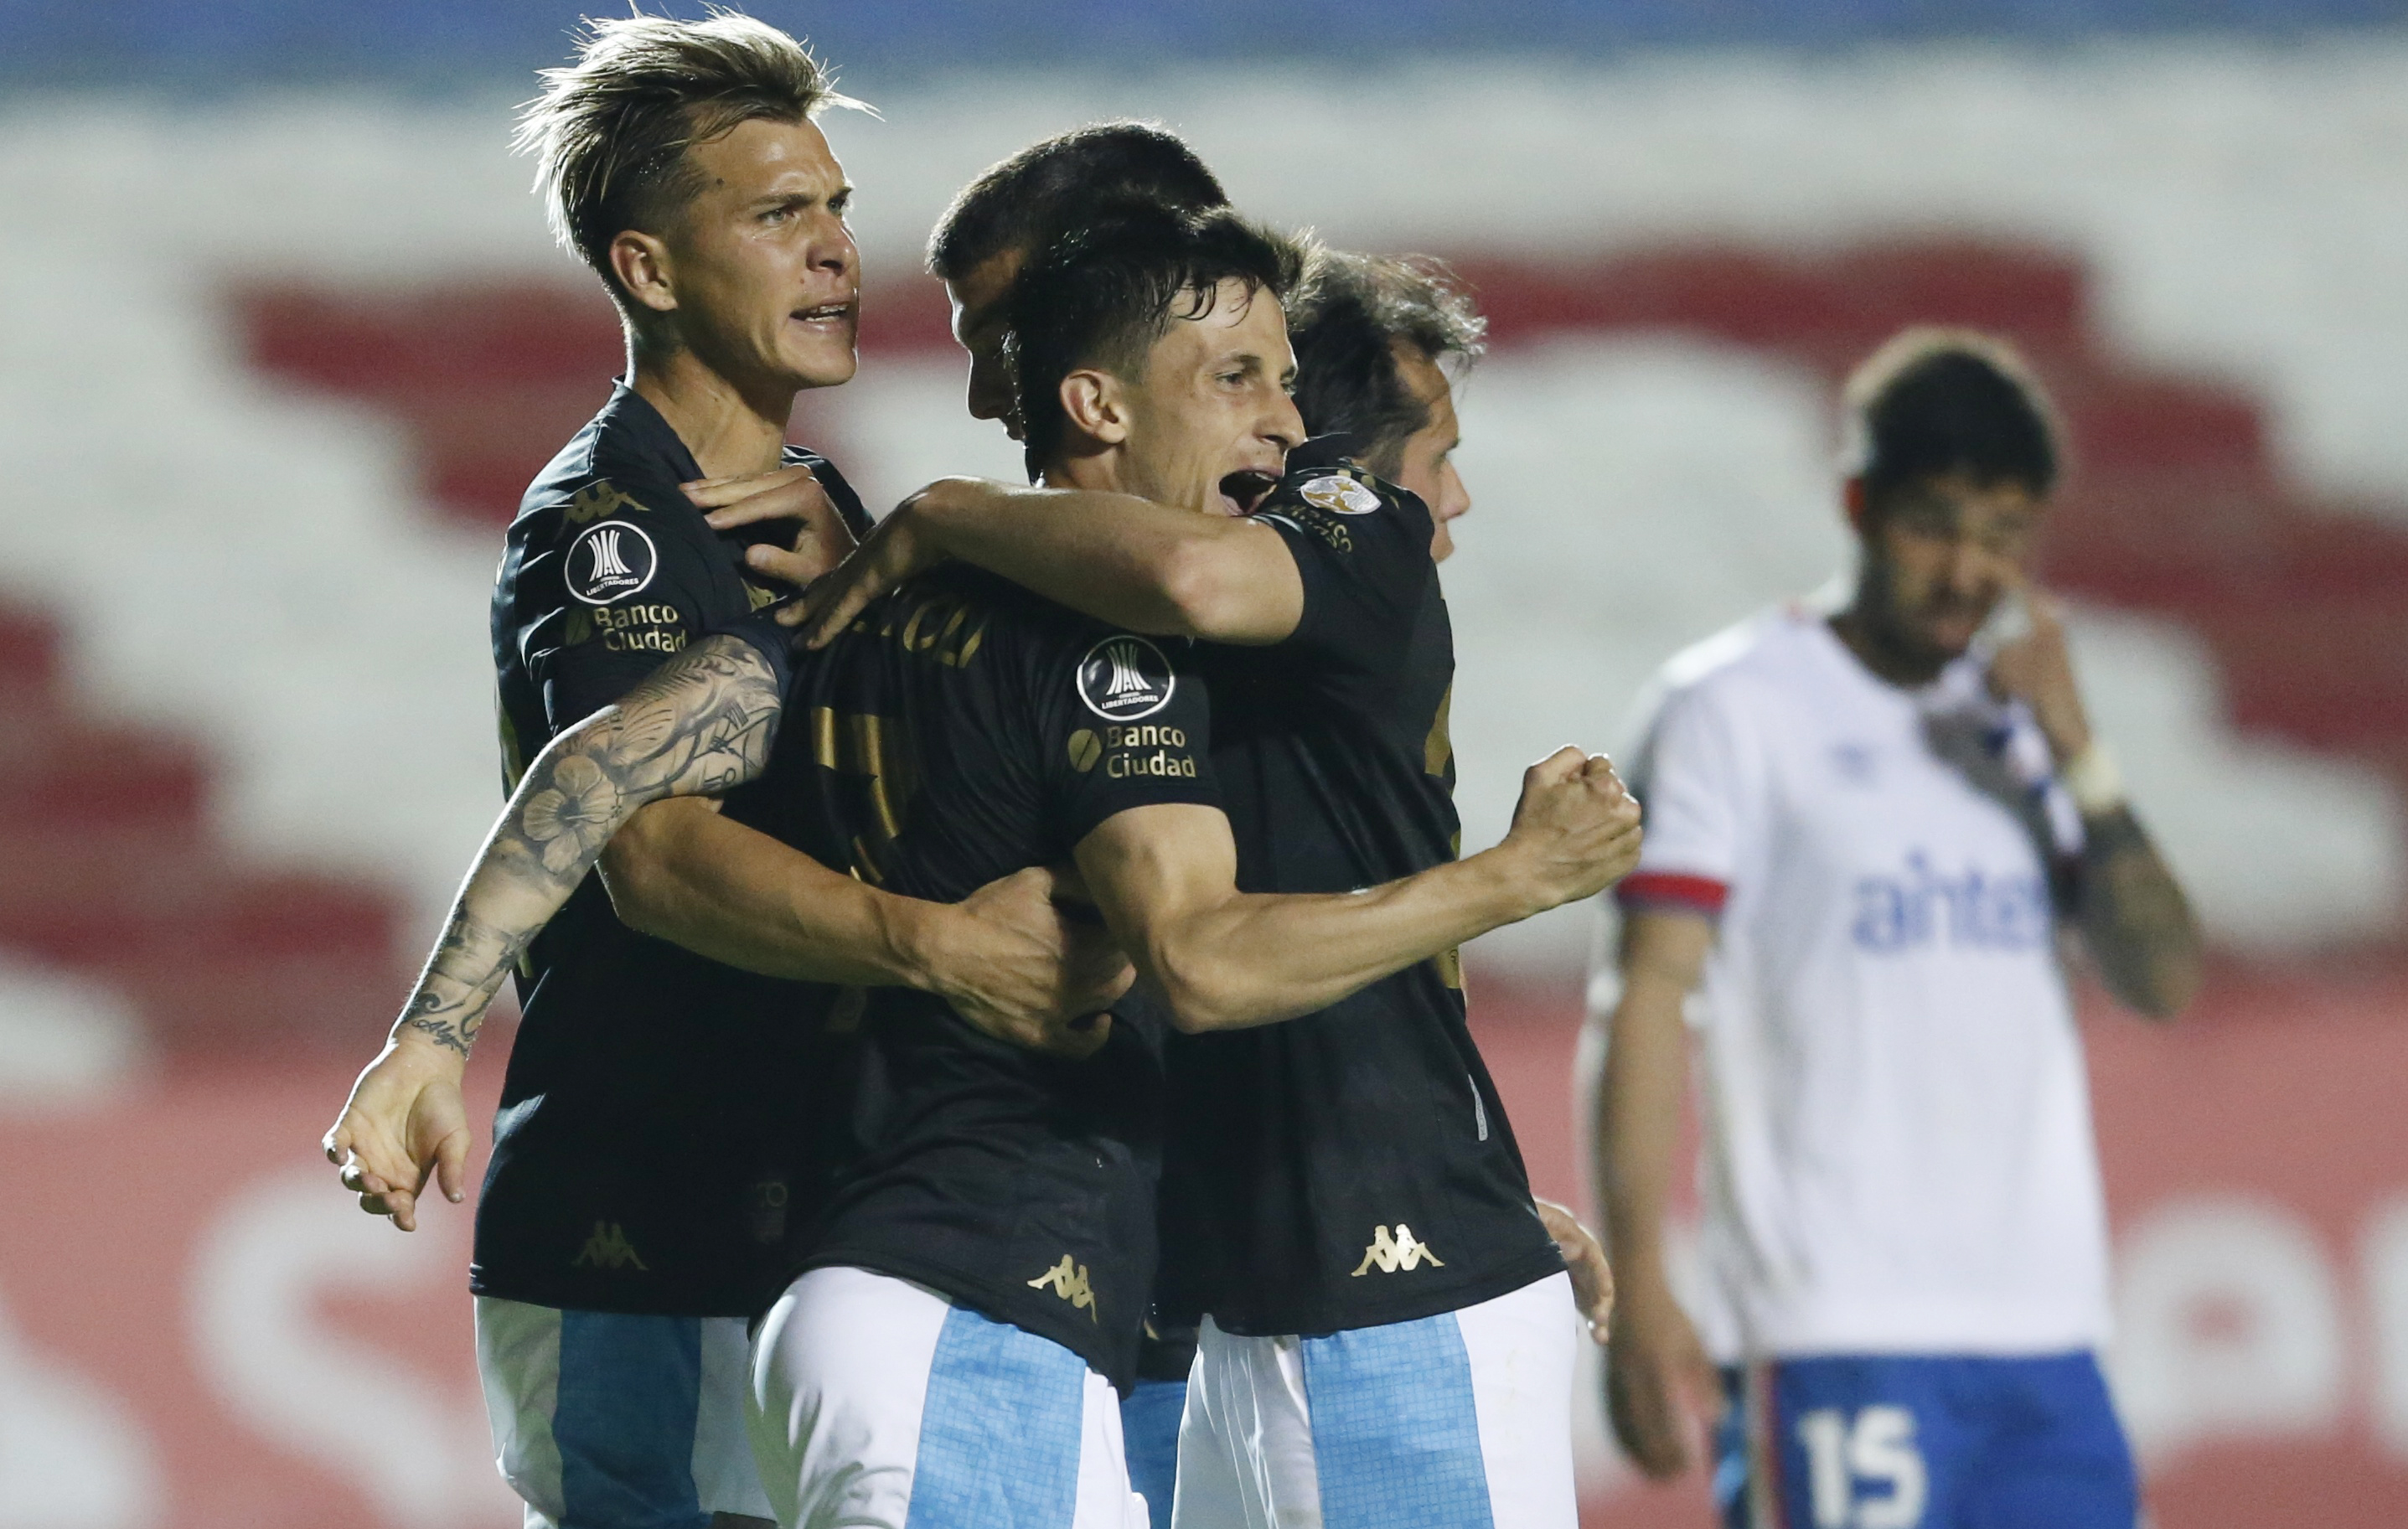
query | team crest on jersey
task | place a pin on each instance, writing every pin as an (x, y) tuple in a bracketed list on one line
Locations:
[(610, 562), (1123, 678), (1338, 494), (1404, 1251), (1068, 1280)]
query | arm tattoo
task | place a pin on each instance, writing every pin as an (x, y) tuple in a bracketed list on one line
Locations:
[(701, 723), (2133, 916)]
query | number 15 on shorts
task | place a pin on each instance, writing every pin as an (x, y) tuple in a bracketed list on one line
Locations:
[(1863, 1469)]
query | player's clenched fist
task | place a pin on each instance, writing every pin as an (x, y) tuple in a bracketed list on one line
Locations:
[(1576, 828)]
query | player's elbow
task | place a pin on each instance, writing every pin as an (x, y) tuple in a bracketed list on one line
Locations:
[(636, 874), (1202, 990)]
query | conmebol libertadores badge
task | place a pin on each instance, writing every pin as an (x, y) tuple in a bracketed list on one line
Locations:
[(1123, 678)]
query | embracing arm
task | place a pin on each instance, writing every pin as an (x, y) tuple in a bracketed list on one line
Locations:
[(1118, 558), (702, 722), (1165, 878), (1005, 957)]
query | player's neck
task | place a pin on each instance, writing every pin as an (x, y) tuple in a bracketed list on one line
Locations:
[(1097, 472), (1888, 661), (1106, 471), (729, 428)]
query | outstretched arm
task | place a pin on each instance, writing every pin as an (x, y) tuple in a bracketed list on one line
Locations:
[(703, 722), (1121, 559), (1165, 877)]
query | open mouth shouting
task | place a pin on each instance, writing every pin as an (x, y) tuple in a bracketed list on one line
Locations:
[(1246, 488), (830, 317)]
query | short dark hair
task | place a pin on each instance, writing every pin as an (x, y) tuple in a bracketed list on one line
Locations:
[(1935, 402), (1026, 202), (610, 129), (1345, 318), (1101, 294)]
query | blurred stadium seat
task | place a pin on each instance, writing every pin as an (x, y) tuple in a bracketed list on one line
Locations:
[(293, 338)]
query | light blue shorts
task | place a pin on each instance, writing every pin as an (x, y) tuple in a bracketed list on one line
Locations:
[(605, 1420)]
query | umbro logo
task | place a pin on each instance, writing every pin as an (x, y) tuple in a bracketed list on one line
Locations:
[(1070, 1282), (1404, 1251), (609, 1249), (610, 562)]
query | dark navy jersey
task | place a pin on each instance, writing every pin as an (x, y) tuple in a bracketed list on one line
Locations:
[(1354, 1166), (961, 730), (640, 1158)]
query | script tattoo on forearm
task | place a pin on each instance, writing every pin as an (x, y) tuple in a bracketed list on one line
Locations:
[(2134, 918), (701, 723)]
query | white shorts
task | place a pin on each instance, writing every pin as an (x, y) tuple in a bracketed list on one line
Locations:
[(877, 1404), (606, 1420), (1462, 1420)]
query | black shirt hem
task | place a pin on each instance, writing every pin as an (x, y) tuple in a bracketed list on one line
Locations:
[(571, 1296), (1323, 1318)]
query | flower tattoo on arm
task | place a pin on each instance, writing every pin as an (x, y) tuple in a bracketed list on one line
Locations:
[(701, 723)]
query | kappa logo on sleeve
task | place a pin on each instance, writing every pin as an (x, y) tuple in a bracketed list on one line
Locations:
[(610, 562), (1338, 494), (1123, 678)]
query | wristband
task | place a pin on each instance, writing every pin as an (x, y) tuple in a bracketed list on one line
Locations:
[(2094, 780)]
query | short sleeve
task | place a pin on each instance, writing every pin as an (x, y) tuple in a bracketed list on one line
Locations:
[(1695, 779), (1362, 548), (630, 582), (1126, 724)]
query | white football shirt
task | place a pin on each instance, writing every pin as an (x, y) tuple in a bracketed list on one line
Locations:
[(1899, 1154)]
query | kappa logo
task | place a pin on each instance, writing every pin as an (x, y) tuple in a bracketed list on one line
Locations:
[(1340, 495), (610, 562), (1123, 678), (594, 501), (1070, 1282), (1402, 1251), (609, 1249)]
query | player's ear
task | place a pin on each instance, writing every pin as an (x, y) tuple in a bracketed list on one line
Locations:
[(1093, 402), (1853, 496), (641, 264)]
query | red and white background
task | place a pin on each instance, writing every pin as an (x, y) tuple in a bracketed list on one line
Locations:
[(278, 363)]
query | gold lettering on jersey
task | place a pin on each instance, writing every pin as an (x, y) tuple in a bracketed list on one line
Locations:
[(1402, 1251), (594, 502), (1159, 766), (1450, 968), (648, 628), (1438, 750), (1150, 735), (875, 749), (1321, 523), (1068, 1281), (1127, 765), (608, 1248), (1085, 751), (944, 626)]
